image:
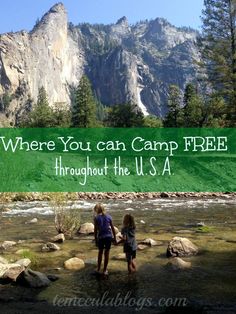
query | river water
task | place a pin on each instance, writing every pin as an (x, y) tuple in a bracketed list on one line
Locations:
[(210, 281)]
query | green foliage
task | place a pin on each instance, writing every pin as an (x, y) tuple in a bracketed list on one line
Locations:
[(173, 118), (215, 112), (67, 219), (84, 106), (152, 122), (193, 108), (42, 115), (5, 101), (30, 255), (61, 115), (218, 44), (125, 116)]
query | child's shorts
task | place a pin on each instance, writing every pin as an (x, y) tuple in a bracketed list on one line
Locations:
[(104, 243), (130, 255)]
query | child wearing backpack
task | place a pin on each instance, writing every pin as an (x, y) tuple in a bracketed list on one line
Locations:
[(103, 231), (130, 245)]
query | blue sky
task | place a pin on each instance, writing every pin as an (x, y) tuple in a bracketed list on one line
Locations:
[(21, 14)]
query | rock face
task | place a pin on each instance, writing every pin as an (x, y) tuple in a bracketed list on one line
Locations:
[(124, 63), (181, 247)]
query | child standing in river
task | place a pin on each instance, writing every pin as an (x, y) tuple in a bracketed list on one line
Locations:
[(130, 245), (103, 231)]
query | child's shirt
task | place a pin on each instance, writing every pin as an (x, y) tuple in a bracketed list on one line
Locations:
[(104, 226), (130, 241)]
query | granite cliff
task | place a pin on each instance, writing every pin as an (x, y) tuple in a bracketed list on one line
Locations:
[(124, 62)]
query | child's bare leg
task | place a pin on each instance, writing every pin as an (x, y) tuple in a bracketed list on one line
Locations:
[(133, 263), (129, 267), (106, 260), (100, 253)]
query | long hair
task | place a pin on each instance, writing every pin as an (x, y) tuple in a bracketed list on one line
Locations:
[(128, 221), (99, 209)]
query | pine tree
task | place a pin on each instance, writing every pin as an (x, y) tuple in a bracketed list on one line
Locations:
[(42, 115), (125, 116), (219, 48), (193, 108), (174, 107), (84, 107)]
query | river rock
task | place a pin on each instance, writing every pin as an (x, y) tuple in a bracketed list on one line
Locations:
[(50, 247), (3, 269), (181, 247), (74, 263), (60, 238), (25, 262), (3, 260), (35, 279), (13, 271), (142, 222), (7, 244), (142, 247), (177, 263), (120, 257), (149, 242), (118, 236), (32, 221), (86, 228)]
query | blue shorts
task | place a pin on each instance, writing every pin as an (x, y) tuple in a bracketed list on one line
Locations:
[(104, 243), (130, 255)]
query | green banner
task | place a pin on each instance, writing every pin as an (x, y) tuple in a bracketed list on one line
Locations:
[(118, 160)]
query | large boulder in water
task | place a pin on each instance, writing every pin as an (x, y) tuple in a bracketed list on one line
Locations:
[(74, 263), (181, 247), (86, 228), (35, 279), (176, 263)]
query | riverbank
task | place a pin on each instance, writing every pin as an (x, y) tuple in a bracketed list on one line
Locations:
[(28, 196)]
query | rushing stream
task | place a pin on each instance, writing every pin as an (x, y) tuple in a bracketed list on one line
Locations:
[(211, 279)]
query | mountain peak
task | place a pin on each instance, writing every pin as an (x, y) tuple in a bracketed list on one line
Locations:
[(123, 21), (57, 8)]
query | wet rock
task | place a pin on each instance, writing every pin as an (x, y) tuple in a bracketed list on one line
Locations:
[(25, 262), (164, 195), (142, 247), (181, 247), (177, 263), (142, 222), (201, 224), (53, 277), (50, 247), (21, 241), (150, 242), (3, 260), (60, 238), (86, 228), (35, 279), (13, 271), (120, 257), (7, 245), (32, 221), (118, 236), (74, 263), (3, 269)]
